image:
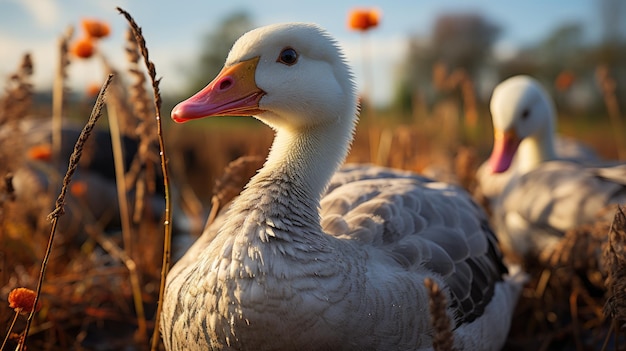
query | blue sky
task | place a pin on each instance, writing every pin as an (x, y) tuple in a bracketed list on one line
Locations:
[(174, 28)]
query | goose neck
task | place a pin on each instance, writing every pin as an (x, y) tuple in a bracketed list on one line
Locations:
[(535, 150)]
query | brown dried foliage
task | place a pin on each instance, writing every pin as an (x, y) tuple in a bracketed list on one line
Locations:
[(231, 183), (458, 79), (614, 257), (167, 222), (562, 307), (608, 87), (443, 339), (15, 106), (16, 102), (89, 288), (579, 251), (142, 172)]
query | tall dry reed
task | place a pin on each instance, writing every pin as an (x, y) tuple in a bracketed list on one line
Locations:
[(59, 209)]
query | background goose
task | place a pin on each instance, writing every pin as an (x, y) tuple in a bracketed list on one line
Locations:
[(516, 94), (93, 192), (545, 195), (289, 268)]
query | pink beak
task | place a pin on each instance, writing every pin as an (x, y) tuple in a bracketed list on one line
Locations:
[(232, 93), (504, 146)]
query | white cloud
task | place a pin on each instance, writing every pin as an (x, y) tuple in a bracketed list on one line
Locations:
[(45, 12), (41, 53), (505, 50), (384, 54)]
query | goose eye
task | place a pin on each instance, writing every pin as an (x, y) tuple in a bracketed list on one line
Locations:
[(525, 113), (288, 56)]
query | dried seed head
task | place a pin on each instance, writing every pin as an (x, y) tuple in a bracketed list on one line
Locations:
[(614, 261), (443, 339), (22, 300)]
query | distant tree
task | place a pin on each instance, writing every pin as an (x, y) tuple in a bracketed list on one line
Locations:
[(458, 41), (562, 49), (611, 49), (612, 13), (463, 40), (414, 74), (215, 47)]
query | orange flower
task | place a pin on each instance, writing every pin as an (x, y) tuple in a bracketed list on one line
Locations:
[(564, 80), (84, 48), (41, 152), (363, 19), (78, 188), (95, 29), (22, 300), (93, 89)]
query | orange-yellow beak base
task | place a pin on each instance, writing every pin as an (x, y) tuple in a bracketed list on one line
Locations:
[(232, 93)]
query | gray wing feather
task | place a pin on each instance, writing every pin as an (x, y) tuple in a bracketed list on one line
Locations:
[(418, 223), (555, 197)]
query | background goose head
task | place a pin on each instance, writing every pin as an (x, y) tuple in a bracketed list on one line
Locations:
[(294, 78), (523, 116)]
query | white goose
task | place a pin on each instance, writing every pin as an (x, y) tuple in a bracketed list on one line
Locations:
[(545, 194), (513, 96), (275, 273)]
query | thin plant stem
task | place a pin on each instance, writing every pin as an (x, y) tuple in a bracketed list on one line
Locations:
[(6, 338), (609, 333), (127, 229), (368, 83), (167, 242), (59, 210), (118, 160), (58, 92), (608, 87)]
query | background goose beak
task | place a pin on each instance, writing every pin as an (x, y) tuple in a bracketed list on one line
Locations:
[(504, 146), (232, 93)]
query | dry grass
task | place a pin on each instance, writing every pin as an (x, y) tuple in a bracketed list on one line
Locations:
[(443, 339), (614, 264), (102, 285), (608, 87), (90, 281)]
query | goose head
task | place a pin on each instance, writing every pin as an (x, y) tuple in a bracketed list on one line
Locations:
[(522, 113), (294, 78), (291, 76)]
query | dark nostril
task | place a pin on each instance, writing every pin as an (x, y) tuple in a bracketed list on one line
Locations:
[(226, 83)]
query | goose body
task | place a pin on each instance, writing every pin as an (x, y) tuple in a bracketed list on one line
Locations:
[(545, 194), (309, 259)]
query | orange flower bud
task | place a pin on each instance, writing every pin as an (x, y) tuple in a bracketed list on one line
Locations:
[(84, 48), (22, 300), (41, 152), (93, 90), (78, 188), (564, 80), (96, 29), (363, 19)]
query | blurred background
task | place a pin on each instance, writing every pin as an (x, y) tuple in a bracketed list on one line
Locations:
[(488, 39)]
